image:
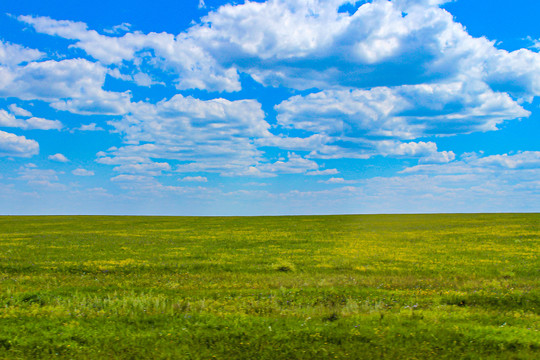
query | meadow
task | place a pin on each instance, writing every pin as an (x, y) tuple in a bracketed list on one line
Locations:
[(304, 287)]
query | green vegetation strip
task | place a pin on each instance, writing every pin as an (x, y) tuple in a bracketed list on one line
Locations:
[(309, 287)]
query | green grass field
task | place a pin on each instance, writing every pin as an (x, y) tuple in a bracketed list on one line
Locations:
[(313, 287)]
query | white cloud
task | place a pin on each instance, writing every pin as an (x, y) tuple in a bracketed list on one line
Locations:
[(141, 184), (304, 44), (89, 127), (19, 146), (19, 111), (52, 80), (521, 160), (193, 65), (151, 168), (273, 29), (215, 135), (426, 151), (99, 191), (111, 51), (323, 172), (82, 172), (9, 120), (434, 191), (475, 164), (337, 152), (334, 180), (248, 194), (314, 141), (449, 193), (132, 178), (380, 78), (516, 72), (202, 5), (143, 79), (139, 78), (194, 179), (43, 124), (295, 164), (473, 183), (72, 85), (100, 103), (115, 73), (123, 27), (58, 157), (407, 4), (47, 178), (254, 183), (364, 123), (536, 43), (13, 54), (249, 171), (406, 112), (140, 165), (308, 43)]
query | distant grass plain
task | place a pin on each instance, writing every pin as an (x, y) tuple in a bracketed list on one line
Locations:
[(302, 287)]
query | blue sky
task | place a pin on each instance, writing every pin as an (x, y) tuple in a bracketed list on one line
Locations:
[(269, 107)]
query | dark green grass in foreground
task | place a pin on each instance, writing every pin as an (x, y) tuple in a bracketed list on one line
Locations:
[(358, 287)]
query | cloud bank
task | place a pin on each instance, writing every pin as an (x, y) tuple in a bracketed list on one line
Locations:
[(361, 81)]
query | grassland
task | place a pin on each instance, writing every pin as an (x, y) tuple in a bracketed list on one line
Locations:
[(339, 287)]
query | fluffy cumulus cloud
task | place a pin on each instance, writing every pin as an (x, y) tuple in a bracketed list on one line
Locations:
[(305, 43), (426, 151), (182, 54), (14, 54), (374, 116), (107, 49), (43, 124), (59, 158), (364, 79), (9, 120), (18, 146), (310, 43), (82, 172), (407, 112), (392, 69), (213, 135), (51, 80), (73, 85)]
